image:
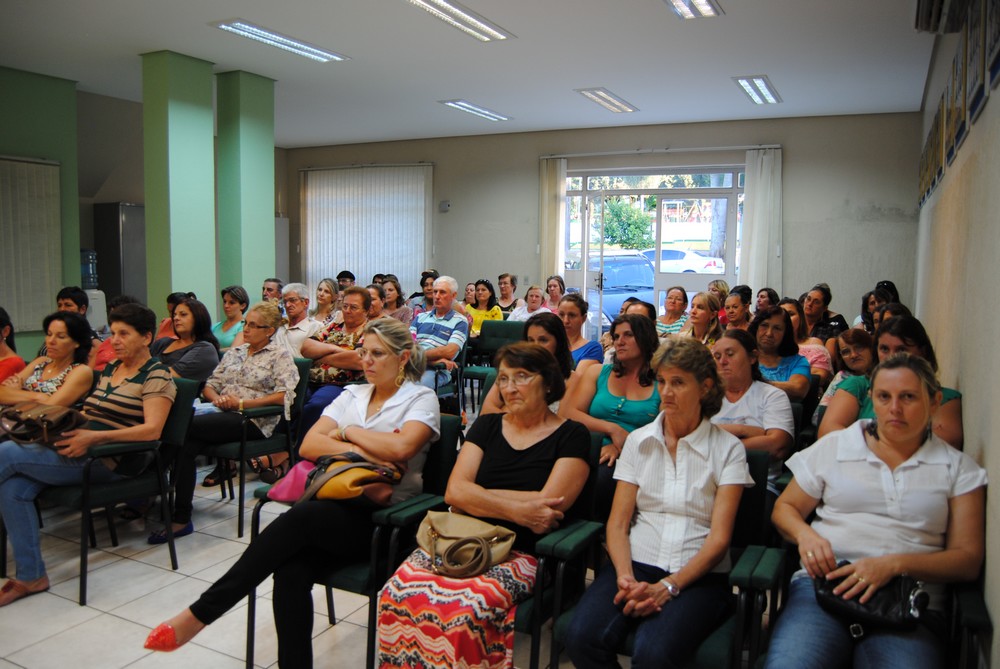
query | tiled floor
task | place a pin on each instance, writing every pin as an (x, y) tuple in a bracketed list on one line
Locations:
[(131, 588)]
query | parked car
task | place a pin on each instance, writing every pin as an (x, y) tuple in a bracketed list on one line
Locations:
[(686, 260), (626, 274)]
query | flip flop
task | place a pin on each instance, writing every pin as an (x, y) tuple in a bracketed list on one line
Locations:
[(14, 590)]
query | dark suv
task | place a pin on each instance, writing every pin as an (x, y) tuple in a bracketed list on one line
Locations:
[(626, 274)]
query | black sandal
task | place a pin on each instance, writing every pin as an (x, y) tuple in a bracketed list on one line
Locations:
[(257, 464), (272, 474), (216, 477)]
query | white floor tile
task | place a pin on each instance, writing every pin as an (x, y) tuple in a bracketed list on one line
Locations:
[(195, 552), (105, 641), (189, 657), (39, 617), (119, 583), (152, 609)]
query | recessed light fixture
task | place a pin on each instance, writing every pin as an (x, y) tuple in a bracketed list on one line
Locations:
[(758, 88), (607, 99), (255, 32), (695, 9), (464, 19), (482, 112)]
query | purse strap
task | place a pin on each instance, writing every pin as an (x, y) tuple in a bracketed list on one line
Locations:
[(320, 480), (477, 563)]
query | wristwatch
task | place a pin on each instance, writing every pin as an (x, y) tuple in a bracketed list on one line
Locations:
[(671, 587)]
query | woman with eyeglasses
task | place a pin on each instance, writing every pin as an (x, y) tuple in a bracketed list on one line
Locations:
[(390, 419), (616, 398), (258, 373), (485, 308)]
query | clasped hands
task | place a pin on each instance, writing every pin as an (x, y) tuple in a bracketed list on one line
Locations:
[(862, 577), (639, 598), (227, 402)]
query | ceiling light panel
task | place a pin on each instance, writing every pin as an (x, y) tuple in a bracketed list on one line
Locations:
[(464, 19), (695, 9), (271, 38), (758, 88), (607, 99), (468, 107)]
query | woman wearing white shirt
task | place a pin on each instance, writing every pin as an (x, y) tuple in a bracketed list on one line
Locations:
[(680, 479), (891, 498), (534, 303)]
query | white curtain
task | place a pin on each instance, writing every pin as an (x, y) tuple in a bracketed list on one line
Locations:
[(30, 242), (760, 265), (367, 220), (552, 214)]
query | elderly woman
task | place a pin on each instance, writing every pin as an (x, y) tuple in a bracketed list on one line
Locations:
[(810, 348), (235, 302), (195, 351), (737, 308), (855, 357), (674, 316), (506, 300), (485, 308), (853, 399), (61, 377), (131, 403), (522, 469), (756, 412), (555, 289), (258, 373), (615, 399), (703, 319), (10, 362), (680, 480), (778, 354), (573, 313), (395, 305), (377, 293), (890, 498), (534, 303), (390, 419)]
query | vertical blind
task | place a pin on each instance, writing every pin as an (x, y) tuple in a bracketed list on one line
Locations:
[(30, 242), (367, 220)]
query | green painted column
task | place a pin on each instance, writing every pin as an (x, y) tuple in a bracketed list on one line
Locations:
[(245, 179), (179, 164)]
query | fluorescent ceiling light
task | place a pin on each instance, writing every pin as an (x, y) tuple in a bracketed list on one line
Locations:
[(607, 99), (695, 9), (758, 88), (254, 32), (482, 112), (464, 19)]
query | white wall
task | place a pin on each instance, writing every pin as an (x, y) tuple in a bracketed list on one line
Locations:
[(849, 193)]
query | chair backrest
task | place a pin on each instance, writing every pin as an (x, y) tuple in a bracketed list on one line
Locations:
[(179, 419), (752, 524), (442, 455), (488, 381), (495, 334)]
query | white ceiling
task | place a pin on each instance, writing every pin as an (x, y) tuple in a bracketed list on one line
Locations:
[(824, 57)]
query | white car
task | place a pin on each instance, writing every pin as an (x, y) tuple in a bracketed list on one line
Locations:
[(685, 260)]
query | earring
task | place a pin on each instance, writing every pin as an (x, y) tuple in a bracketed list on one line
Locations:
[(400, 377)]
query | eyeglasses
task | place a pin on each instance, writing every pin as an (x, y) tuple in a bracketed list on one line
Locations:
[(374, 354), (247, 325), (292, 300), (519, 379), (352, 307)]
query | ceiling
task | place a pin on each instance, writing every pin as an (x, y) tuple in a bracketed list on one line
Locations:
[(823, 57)]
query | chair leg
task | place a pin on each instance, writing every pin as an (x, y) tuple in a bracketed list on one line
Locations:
[(86, 526), (372, 625), (330, 612), (109, 516), (92, 534), (242, 501), (251, 626)]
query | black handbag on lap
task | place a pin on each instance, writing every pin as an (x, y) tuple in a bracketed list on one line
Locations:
[(897, 605)]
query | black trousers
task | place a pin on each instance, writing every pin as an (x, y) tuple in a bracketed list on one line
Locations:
[(299, 547)]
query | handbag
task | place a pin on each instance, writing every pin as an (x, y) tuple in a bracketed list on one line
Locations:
[(461, 546), (897, 605), (36, 423), (348, 476), (292, 485)]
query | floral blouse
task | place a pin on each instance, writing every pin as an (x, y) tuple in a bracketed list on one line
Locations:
[(324, 374), (269, 370), (36, 384)]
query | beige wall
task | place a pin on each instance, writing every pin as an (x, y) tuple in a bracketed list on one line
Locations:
[(849, 192), (959, 254)]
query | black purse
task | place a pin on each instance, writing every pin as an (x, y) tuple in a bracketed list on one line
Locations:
[(897, 605)]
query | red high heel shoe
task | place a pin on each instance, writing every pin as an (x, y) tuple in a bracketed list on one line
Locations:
[(162, 639)]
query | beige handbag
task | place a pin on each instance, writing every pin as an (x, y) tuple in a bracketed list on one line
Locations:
[(36, 423), (461, 546)]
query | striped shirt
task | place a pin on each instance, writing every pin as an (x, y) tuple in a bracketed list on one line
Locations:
[(120, 406), (432, 331)]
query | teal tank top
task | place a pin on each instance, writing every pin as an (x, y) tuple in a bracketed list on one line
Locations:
[(630, 414)]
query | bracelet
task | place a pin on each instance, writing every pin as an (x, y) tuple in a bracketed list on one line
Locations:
[(343, 434), (241, 405)]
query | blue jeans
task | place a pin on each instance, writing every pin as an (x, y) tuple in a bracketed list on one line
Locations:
[(665, 639), (807, 636), (435, 378), (24, 472)]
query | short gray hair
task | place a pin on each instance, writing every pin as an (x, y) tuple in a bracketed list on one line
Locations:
[(450, 281), (299, 289)]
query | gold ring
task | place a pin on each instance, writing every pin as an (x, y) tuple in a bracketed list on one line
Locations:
[(861, 579), (809, 554)]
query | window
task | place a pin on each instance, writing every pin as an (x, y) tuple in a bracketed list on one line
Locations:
[(367, 220)]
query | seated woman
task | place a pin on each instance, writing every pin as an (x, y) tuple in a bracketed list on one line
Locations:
[(703, 319), (821, 322), (853, 398), (871, 301), (573, 313), (392, 418), (680, 480), (927, 523), (506, 300), (259, 373), (166, 327), (766, 297), (377, 293), (235, 301), (778, 356), (756, 412), (737, 307), (555, 289), (720, 289), (522, 469), (674, 312), (61, 377), (810, 348), (534, 303), (131, 403), (887, 311), (194, 353), (546, 330), (485, 308), (395, 306), (617, 398), (326, 298), (10, 362), (855, 357)]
